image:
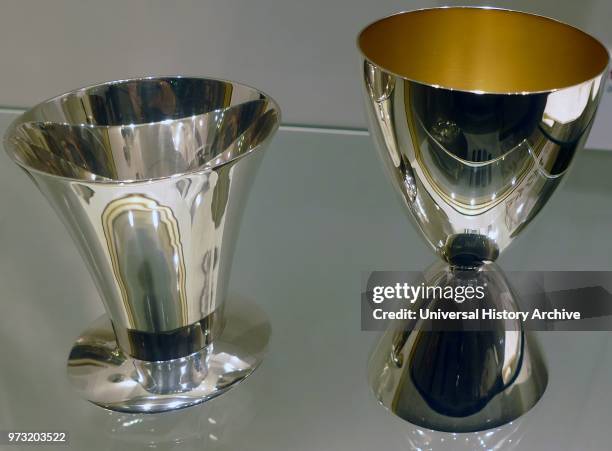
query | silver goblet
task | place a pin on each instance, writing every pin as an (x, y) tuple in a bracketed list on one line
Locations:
[(151, 176), (477, 114)]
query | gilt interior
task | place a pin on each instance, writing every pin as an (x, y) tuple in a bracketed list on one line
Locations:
[(483, 49)]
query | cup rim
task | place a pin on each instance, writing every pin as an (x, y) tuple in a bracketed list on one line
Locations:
[(19, 121), (479, 7)]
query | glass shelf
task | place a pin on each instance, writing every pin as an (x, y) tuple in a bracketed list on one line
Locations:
[(320, 213)]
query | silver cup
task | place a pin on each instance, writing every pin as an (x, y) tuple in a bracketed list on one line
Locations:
[(151, 176), (477, 114)]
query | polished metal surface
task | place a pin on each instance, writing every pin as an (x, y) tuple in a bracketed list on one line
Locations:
[(102, 373), (460, 380), (476, 131), (150, 176), (474, 166)]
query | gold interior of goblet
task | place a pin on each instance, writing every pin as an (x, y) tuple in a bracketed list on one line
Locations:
[(481, 49)]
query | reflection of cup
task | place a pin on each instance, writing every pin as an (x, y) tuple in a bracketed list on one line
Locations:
[(212, 426), (150, 176), (476, 130), (506, 437)]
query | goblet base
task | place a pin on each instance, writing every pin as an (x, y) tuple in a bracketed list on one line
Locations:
[(461, 378), (103, 374), (394, 379)]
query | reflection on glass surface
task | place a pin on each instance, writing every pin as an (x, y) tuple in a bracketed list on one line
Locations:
[(504, 438), (211, 426)]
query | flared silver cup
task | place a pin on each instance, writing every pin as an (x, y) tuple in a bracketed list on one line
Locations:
[(477, 114), (151, 176)]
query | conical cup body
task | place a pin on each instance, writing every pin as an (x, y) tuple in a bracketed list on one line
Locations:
[(150, 176), (477, 115)]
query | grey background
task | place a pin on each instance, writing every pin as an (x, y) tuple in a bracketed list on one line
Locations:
[(303, 53)]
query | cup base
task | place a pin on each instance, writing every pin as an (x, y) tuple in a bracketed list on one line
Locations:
[(104, 375), (392, 379)]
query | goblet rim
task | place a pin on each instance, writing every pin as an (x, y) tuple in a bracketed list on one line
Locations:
[(596, 41), (205, 169)]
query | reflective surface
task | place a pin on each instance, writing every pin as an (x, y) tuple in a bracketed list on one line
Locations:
[(207, 427), (150, 176), (474, 168), (311, 391), (506, 438), (459, 380)]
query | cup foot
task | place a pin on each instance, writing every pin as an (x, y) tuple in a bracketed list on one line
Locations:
[(103, 374), (443, 397)]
